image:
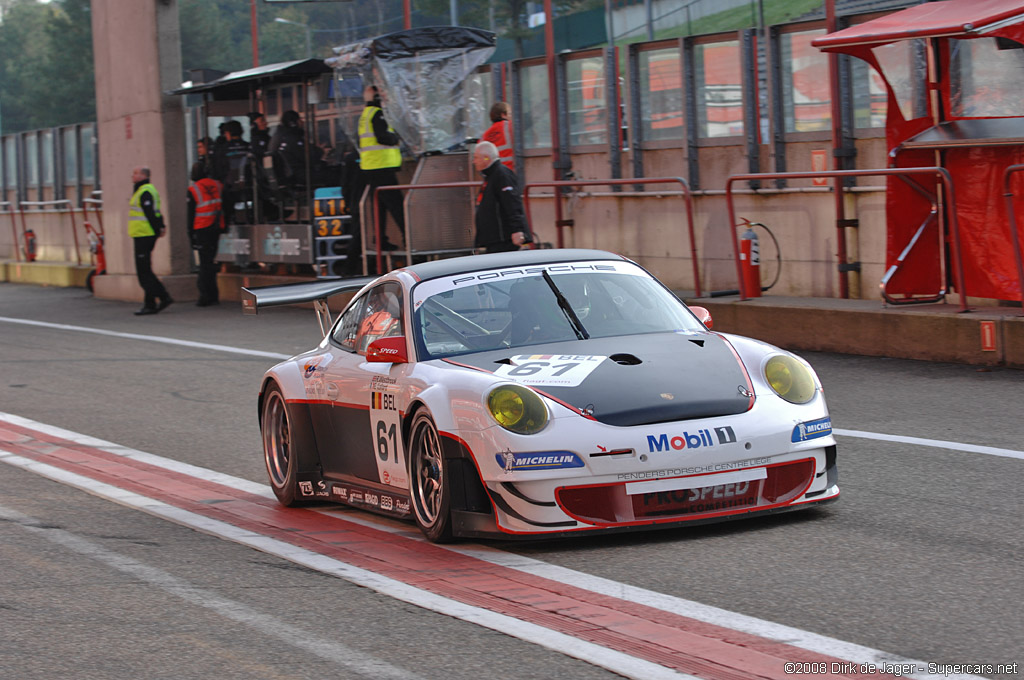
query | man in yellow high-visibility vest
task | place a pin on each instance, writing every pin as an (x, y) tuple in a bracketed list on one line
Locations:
[(379, 161), (145, 226)]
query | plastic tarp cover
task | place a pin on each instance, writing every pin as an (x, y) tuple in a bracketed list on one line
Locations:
[(426, 76)]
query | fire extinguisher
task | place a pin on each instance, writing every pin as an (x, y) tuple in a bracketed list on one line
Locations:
[(96, 248), (30, 245), (750, 262)]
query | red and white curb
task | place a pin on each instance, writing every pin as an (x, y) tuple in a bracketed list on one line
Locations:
[(626, 630)]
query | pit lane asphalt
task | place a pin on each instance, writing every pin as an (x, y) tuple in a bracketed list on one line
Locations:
[(920, 556)]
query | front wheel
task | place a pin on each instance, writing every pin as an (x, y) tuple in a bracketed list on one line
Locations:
[(275, 427), (429, 480)]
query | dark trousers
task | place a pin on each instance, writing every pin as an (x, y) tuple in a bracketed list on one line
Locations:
[(388, 200), (151, 285), (206, 241)]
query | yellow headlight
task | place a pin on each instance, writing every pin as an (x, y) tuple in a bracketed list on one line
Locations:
[(790, 379), (517, 409)]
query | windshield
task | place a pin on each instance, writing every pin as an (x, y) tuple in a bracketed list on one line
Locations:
[(510, 308)]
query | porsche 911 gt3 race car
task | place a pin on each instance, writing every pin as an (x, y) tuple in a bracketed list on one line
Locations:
[(538, 392)]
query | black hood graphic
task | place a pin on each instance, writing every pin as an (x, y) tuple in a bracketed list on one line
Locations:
[(651, 378)]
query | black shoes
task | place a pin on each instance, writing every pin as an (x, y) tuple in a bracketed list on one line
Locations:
[(164, 304), (207, 303)]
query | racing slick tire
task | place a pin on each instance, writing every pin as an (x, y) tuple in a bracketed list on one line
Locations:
[(281, 459), (429, 481)]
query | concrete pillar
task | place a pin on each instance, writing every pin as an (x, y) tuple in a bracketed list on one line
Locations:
[(137, 50)]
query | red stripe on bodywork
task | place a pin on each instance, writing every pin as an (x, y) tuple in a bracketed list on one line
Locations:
[(677, 642)]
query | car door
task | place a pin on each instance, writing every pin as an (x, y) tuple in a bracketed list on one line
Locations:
[(365, 395)]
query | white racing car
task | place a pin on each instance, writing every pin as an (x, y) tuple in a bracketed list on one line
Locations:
[(538, 392)]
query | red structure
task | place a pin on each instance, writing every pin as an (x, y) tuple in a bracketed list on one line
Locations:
[(967, 118)]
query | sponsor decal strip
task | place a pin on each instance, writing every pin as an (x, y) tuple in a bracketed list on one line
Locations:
[(812, 430), (698, 482), (636, 640)]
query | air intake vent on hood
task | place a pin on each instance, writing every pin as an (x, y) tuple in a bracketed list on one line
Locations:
[(625, 359)]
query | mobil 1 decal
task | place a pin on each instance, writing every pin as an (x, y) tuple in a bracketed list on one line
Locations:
[(556, 370), (386, 432)]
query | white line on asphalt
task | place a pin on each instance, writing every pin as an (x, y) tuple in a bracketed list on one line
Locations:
[(668, 603), (141, 456), (346, 657), (150, 338), (917, 441), (934, 443), (616, 662)]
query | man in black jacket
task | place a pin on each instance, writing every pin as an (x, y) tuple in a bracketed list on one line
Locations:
[(259, 136), (500, 219), (232, 168), (288, 148)]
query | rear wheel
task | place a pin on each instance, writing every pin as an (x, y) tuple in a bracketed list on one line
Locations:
[(275, 426), (429, 480)]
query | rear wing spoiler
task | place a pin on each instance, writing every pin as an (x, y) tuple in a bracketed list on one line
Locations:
[(317, 292)]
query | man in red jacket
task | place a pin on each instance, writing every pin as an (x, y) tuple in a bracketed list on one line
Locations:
[(205, 225), (500, 134)]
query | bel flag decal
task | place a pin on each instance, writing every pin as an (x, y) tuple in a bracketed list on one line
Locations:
[(386, 435), (812, 429), (538, 460)]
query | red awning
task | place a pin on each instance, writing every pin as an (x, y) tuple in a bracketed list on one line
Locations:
[(954, 18)]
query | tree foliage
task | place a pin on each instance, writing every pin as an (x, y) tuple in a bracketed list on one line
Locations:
[(46, 70), (46, 57)]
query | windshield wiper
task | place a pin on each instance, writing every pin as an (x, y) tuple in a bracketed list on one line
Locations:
[(570, 313)]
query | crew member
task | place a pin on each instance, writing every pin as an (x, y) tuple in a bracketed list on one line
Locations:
[(204, 154), (500, 219), (145, 226), (206, 224), (379, 161), (259, 135), (288, 147), (259, 144), (231, 164), (500, 134)]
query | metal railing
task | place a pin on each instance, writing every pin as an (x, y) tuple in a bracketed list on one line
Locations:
[(67, 207), (686, 195), (950, 206), (9, 208), (377, 212), (1008, 193)]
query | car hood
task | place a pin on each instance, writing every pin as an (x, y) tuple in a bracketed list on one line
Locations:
[(630, 380)]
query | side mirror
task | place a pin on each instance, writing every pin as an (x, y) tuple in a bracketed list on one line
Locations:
[(703, 315), (390, 350)]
